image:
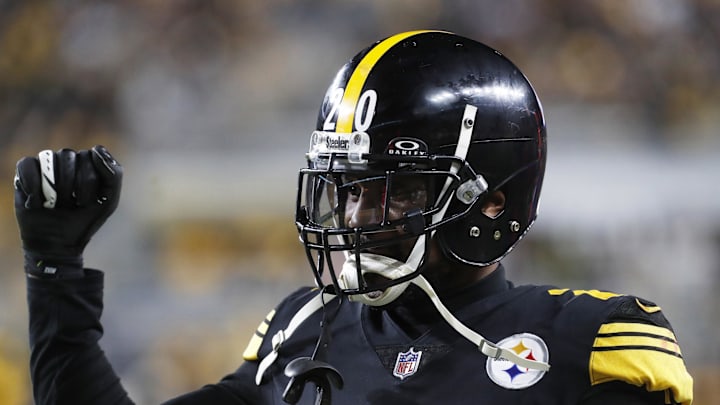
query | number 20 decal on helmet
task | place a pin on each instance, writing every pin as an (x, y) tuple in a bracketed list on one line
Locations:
[(444, 114), (364, 111)]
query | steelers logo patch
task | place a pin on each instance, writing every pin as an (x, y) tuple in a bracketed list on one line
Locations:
[(508, 374)]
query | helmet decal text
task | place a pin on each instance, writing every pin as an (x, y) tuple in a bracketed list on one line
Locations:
[(335, 99), (407, 147), (324, 143), (364, 110)]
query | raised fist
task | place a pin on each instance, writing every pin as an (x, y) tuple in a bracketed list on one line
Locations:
[(61, 199)]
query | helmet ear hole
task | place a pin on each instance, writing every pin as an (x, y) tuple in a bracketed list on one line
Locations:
[(474, 238), (493, 204), (469, 240)]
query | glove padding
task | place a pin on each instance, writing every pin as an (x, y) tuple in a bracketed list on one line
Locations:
[(61, 199)]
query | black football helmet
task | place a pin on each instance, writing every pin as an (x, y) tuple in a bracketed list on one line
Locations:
[(438, 122)]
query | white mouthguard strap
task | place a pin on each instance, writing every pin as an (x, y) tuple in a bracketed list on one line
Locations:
[(486, 347), (384, 266)]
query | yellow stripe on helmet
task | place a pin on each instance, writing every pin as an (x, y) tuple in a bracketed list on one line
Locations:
[(348, 106)]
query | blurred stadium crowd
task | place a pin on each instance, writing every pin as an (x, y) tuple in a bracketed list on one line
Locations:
[(209, 105)]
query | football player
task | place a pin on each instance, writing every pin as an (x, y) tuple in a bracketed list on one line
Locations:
[(424, 171)]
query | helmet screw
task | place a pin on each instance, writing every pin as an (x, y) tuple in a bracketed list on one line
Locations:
[(514, 226), (474, 232), (469, 122), (497, 234)]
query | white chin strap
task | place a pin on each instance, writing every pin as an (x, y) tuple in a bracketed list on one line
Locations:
[(384, 266)]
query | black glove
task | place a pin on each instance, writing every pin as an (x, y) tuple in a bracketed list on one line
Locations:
[(61, 199)]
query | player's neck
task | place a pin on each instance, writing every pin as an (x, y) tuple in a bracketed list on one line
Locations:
[(413, 311)]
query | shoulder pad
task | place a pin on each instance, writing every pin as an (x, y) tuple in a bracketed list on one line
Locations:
[(637, 345)]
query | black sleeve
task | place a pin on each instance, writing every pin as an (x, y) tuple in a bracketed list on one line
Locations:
[(211, 394), (67, 365), (237, 388), (621, 393)]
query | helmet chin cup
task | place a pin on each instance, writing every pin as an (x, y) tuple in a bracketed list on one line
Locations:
[(384, 266)]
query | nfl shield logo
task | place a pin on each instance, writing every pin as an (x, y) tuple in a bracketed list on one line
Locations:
[(407, 363)]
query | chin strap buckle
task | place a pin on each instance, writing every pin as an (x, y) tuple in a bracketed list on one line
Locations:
[(490, 350), (277, 340)]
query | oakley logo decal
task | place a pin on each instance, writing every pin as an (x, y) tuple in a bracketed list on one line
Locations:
[(406, 147)]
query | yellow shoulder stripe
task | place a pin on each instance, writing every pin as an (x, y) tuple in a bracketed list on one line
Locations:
[(251, 350), (637, 328), (346, 112), (642, 355), (601, 295)]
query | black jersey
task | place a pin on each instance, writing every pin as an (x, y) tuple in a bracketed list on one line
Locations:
[(595, 342), (590, 338)]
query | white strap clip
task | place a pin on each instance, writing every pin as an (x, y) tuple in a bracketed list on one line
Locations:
[(277, 340), (282, 335), (490, 350)]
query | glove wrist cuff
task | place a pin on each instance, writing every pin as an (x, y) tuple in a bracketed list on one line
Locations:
[(53, 267)]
